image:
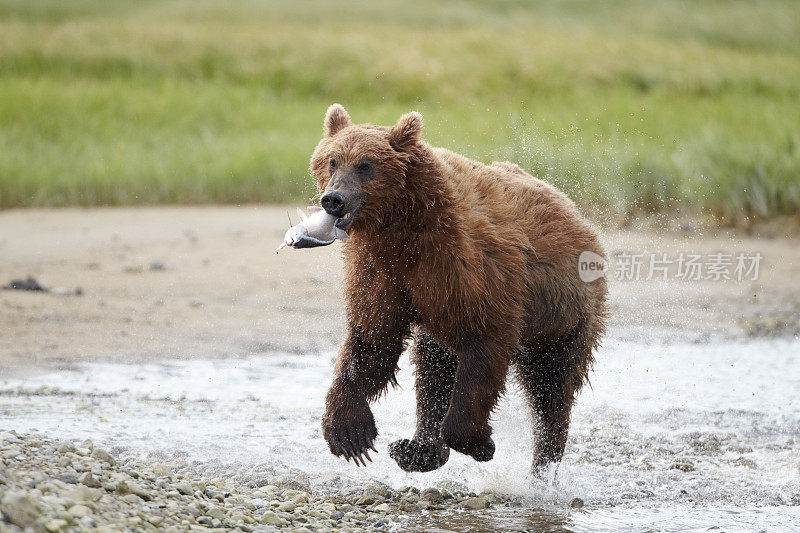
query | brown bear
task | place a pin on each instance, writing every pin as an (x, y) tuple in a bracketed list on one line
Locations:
[(479, 265)]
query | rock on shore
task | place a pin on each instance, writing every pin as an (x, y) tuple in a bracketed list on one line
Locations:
[(50, 486)]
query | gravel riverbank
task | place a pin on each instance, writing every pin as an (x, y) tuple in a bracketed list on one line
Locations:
[(48, 485)]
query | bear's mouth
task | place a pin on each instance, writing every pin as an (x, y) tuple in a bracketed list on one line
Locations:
[(346, 221)]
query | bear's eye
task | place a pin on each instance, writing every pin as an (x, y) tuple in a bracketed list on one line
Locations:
[(332, 164), (363, 168)]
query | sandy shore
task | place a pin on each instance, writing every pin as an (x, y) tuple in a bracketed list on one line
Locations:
[(205, 281)]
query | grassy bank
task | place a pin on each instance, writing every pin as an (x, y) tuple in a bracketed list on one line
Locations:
[(641, 104)]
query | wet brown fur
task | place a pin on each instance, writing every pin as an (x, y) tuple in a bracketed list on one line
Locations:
[(480, 262)]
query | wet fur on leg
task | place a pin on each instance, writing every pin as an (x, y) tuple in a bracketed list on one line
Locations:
[(480, 380), (363, 371), (435, 369), (552, 374)]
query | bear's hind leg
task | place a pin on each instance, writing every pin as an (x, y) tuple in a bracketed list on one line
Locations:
[(552, 374), (435, 372)]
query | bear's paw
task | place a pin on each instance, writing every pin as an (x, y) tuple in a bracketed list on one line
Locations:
[(416, 456), (478, 445), (350, 431)]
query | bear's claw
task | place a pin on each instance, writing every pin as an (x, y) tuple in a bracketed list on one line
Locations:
[(416, 456), (351, 433)]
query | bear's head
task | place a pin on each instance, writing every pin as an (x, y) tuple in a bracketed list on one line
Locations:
[(361, 169)]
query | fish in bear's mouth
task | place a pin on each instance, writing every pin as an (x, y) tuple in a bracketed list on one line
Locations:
[(317, 229), (344, 222)]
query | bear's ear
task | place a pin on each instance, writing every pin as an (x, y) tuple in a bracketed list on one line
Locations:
[(336, 119), (405, 133)]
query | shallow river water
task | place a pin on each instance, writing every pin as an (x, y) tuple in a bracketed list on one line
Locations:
[(673, 436)]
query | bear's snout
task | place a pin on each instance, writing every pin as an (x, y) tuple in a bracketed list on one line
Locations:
[(333, 203)]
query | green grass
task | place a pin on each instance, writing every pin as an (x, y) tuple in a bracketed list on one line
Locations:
[(636, 105)]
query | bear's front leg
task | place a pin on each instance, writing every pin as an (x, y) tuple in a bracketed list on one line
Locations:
[(362, 372), (480, 379)]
